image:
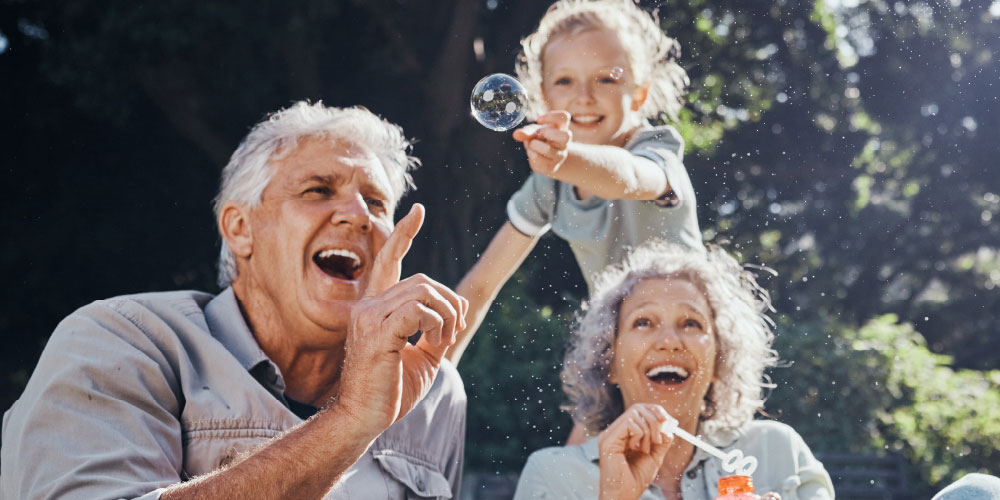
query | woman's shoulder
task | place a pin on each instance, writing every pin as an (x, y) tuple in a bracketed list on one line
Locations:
[(559, 472), (556, 457), (769, 434)]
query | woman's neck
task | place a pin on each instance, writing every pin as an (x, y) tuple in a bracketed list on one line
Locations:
[(674, 464)]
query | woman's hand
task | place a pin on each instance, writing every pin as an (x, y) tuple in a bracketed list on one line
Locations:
[(632, 449)]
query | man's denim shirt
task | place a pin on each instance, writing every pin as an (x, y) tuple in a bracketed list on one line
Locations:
[(139, 392)]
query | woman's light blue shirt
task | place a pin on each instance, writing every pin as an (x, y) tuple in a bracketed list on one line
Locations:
[(786, 466)]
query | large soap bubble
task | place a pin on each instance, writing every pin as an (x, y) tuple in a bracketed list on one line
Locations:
[(498, 102)]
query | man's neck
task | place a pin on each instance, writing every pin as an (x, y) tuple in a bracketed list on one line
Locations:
[(311, 372)]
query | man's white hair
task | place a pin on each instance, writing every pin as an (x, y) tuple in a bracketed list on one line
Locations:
[(651, 53), (250, 168), (743, 333)]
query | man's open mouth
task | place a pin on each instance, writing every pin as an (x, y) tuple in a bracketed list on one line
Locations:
[(667, 375), (339, 263)]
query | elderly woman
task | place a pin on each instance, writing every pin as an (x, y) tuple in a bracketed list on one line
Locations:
[(671, 334)]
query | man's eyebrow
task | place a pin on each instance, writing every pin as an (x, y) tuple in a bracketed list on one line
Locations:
[(322, 179)]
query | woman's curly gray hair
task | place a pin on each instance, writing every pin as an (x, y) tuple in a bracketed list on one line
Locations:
[(743, 333), (652, 54)]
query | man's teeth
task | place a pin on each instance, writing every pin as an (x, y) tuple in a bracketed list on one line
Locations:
[(675, 370), (325, 254)]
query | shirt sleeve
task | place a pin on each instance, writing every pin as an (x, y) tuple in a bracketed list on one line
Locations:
[(98, 419), (665, 147), (811, 481), (532, 485), (531, 208)]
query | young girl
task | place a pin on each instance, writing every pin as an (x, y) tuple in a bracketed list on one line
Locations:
[(602, 178)]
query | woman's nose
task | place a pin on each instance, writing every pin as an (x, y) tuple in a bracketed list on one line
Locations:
[(668, 339)]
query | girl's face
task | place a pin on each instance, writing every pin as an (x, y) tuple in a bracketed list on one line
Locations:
[(665, 351), (588, 74)]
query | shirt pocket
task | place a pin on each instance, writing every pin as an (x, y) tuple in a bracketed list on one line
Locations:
[(213, 444), (421, 479)]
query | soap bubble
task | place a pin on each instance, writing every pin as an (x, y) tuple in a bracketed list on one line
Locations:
[(498, 102), (617, 72)]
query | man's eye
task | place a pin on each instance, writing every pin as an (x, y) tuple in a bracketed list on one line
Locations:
[(320, 190), (641, 323), (376, 202)]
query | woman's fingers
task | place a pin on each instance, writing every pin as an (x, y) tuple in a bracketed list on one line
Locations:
[(653, 423)]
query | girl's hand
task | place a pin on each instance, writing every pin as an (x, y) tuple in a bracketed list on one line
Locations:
[(546, 142)]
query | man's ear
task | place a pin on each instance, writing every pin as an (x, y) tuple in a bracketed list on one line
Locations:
[(234, 225), (639, 96)]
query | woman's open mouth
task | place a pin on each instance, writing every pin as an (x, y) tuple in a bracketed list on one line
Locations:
[(339, 263), (667, 375)]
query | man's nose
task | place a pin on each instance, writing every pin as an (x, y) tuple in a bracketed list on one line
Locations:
[(352, 210)]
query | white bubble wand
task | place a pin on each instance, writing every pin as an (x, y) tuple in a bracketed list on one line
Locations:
[(733, 462)]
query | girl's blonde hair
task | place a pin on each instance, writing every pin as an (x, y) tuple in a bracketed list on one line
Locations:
[(652, 54)]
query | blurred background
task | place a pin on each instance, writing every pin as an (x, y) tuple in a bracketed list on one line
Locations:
[(850, 145)]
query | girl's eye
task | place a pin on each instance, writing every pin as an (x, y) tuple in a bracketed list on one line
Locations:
[(692, 323), (607, 79), (562, 81), (641, 323)]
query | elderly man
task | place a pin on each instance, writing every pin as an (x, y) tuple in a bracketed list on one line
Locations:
[(297, 381)]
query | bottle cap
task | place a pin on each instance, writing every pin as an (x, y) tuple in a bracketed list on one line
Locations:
[(735, 484)]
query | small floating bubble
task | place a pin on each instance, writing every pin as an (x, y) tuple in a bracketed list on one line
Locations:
[(498, 102), (617, 72)]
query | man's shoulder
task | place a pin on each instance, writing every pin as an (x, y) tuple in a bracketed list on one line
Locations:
[(148, 315), (449, 386)]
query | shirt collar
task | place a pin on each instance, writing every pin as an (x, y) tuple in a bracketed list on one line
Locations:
[(228, 326)]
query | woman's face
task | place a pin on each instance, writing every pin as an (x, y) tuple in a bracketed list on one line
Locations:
[(665, 352)]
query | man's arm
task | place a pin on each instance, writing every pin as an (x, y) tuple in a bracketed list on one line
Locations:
[(302, 463), (483, 282)]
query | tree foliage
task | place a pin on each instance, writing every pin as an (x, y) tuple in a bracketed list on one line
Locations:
[(847, 145)]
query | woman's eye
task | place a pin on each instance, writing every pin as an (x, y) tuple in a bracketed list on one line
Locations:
[(641, 323)]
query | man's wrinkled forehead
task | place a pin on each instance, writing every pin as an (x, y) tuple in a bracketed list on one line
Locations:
[(345, 152)]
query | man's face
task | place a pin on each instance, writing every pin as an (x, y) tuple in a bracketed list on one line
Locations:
[(322, 219)]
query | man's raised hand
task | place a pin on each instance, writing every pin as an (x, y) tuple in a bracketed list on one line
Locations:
[(384, 376)]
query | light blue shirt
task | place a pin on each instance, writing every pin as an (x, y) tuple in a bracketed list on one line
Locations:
[(601, 232), (136, 393), (786, 466)]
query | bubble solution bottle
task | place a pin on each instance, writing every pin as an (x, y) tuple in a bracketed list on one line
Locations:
[(736, 488)]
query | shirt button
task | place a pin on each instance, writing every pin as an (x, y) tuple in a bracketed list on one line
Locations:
[(692, 474)]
